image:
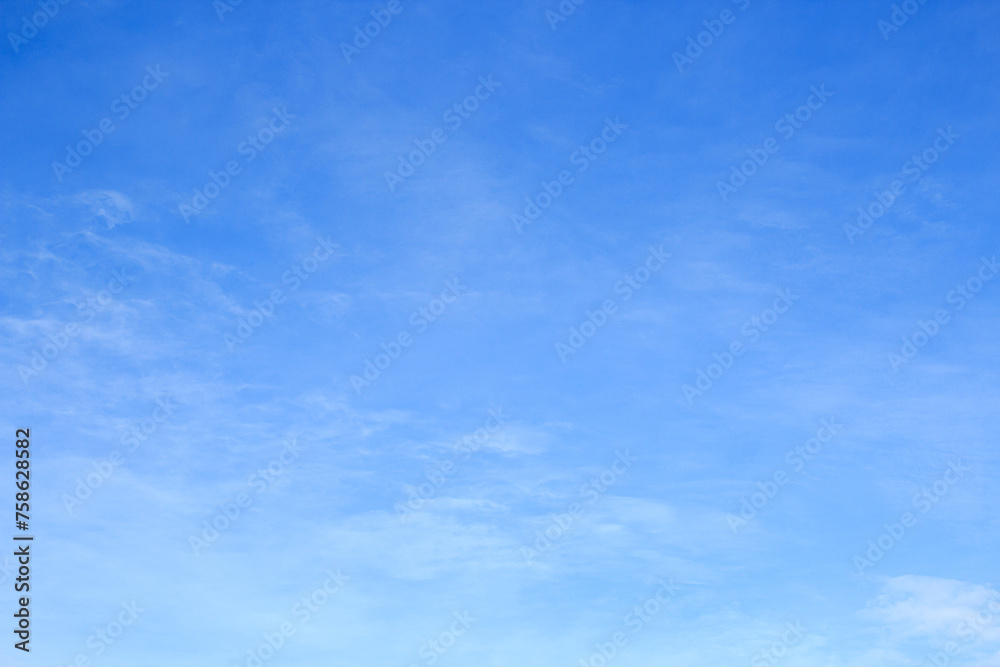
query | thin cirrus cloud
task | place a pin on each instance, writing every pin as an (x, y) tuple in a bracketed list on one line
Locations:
[(536, 533)]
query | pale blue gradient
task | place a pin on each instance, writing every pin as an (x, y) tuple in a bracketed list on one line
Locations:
[(426, 488)]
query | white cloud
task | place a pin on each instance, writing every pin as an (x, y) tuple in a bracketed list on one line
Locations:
[(938, 610), (113, 206)]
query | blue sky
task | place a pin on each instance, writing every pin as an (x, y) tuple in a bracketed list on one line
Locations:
[(475, 335)]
